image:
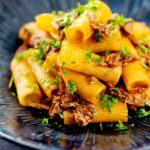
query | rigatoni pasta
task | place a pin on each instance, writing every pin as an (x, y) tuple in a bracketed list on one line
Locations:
[(87, 65)]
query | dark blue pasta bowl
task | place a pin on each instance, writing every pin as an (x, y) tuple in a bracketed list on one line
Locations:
[(26, 126)]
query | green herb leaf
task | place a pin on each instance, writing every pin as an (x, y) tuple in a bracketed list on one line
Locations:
[(143, 113), (65, 71), (145, 66), (146, 39), (108, 101), (67, 21), (11, 82), (45, 121), (80, 9), (101, 126), (13, 94), (20, 57), (98, 35), (120, 20), (125, 52), (56, 80), (143, 49), (120, 126), (72, 87), (88, 55), (55, 44)]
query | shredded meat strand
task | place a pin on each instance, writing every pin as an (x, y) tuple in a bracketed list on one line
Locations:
[(63, 100)]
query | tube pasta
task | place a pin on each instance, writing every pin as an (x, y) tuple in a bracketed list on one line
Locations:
[(73, 58), (125, 43), (50, 64), (80, 30), (102, 13), (44, 79), (119, 112), (45, 22), (111, 43), (87, 87), (27, 87), (135, 76), (30, 29)]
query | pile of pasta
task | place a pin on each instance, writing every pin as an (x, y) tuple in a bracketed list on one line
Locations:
[(88, 65)]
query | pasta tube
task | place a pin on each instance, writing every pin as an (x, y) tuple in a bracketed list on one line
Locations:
[(100, 11), (80, 30), (50, 64), (88, 88), (44, 79), (27, 87), (45, 22), (111, 43), (125, 43), (118, 112), (30, 29), (138, 30), (74, 58), (135, 76)]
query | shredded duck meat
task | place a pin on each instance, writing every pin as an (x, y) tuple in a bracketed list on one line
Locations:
[(116, 59), (139, 98), (63, 100)]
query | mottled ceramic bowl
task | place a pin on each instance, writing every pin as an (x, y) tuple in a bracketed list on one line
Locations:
[(23, 125)]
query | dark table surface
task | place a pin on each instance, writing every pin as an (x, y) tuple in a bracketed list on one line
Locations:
[(8, 145)]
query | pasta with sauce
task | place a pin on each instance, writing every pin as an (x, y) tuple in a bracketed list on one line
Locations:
[(89, 64)]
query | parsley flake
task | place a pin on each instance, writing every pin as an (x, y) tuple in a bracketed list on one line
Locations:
[(11, 82), (143, 113), (72, 87), (67, 21), (13, 94), (65, 71), (120, 20), (45, 121), (120, 126), (80, 9), (143, 49), (108, 101), (20, 57), (125, 52), (101, 126), (98, 36)]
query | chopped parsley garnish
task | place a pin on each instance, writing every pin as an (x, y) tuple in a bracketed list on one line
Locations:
[(143, 49), (80, 9), (35, 88), (62, 64), (55, 44), (20, 57), (98, 36), (73, 62), (125, 52), (13, 94), (146, 39), (56, 80), (120, 20), (65, 71), (145, 66), (101, 126), (61, 115), (67, 21), (88, 57), (107, 52), (92, 5), (11, 82), (148, 103), (72, 87), (45, 121), (108, 101), (143, 113), (120, 126)]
